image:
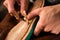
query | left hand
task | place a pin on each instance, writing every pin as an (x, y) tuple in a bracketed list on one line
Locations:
[(10, 6), (49, 19)]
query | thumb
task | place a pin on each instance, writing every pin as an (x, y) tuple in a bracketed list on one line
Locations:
[(33, 13), (39, 27)]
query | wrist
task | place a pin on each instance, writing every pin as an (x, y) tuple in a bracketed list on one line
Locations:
[(57, 7)]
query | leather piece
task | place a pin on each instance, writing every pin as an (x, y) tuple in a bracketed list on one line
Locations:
[(22, 29), (32, 29), (5, 26)]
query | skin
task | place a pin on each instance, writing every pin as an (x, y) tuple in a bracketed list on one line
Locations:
[(10, 6), (49, 19)]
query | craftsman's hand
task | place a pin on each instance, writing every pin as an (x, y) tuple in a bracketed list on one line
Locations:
[(49, 19), (10, 6)]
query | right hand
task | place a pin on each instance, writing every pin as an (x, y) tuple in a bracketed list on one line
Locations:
[(10, 6), (49, 19)]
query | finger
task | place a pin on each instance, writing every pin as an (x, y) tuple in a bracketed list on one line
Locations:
[(38, 28), (11, 9), (56, 29), (15, 14), (11, 14), (5, 4), (10, 5), (33, 13), (24, 6), (48, 28)]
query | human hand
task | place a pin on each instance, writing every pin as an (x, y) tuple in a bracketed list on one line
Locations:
[(10, 6), (49, 19)]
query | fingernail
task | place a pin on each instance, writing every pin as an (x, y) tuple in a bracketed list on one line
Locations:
[(46, 30), (57, 32), (17, 18), (24, 13), (54, 32), (28, 17), (36, 33), (11, 14)]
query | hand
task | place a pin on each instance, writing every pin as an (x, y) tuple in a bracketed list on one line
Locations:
[(49, 19), (10, 6)]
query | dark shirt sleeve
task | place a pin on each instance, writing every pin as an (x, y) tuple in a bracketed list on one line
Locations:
[(52, 2)]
